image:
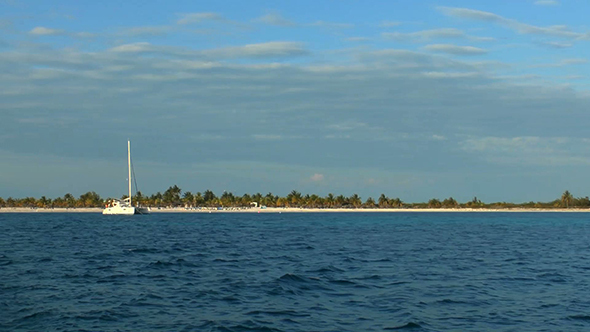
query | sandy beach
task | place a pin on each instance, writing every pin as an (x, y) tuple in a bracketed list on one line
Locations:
[(280, 210)]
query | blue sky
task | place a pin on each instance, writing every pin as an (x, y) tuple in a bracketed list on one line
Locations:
[(414, 99)]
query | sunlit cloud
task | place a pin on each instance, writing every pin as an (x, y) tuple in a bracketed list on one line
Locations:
[(317, 177), (455, 49), (262, 50), (275, 19), (43, 31)]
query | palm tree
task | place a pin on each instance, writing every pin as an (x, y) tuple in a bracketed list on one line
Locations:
[(450, 203), (70, 200), (396, 202), (199, 199), (269, 200), (370, 203), (313, 201), (329, 200), (208, 196), (187, 199), (341, 201), (383, 201), (294, 198), (434, 203), (172, 195), (567, 199), (355, 200)]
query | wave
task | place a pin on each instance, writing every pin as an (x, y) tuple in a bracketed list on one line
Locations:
[(327, 269), (289, 313), (4, 260), (288, 277), (143, 250), (408, 326)]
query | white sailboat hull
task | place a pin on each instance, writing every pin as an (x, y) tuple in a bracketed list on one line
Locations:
[(123, 210), (126, 210)]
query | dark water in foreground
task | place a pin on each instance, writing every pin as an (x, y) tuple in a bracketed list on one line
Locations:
[(295, 272)]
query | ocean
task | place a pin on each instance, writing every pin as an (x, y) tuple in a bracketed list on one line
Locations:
[(295, 272)]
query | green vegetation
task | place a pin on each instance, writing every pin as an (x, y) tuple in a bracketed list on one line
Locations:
[(174, 197)]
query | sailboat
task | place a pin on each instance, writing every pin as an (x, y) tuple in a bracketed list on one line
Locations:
[(125, 206)]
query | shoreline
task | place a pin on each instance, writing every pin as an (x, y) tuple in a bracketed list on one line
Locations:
[(287, 210)]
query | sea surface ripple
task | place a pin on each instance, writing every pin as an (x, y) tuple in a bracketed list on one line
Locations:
[(295, 272)]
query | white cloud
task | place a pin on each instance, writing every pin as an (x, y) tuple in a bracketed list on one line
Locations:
[(547, 3), (146, 31), (331, 25), (434, 74), (43, 31), (575, 61), (261, 50), (455, 49), (317, 177), (426, 35), (523, 28), (347, 126), (193, 18), (357, 39), (134, 48), (389, 24), (275, 19), (556, 44), (84, 35), (562, 63)]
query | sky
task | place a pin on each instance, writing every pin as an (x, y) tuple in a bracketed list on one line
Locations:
[(413, 99)]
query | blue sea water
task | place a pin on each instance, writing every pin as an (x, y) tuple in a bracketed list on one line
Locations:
[(295, 272)]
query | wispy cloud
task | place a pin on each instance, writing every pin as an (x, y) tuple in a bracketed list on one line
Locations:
[(43, 31), (426, 35), (523, 28), (389, 24), (134, 48), (266, 137), (317, 177), (331, 25), (5, 23), (357, 39), (547, 3), (193, 18), (275, 19), (575, 61), (261, 50), (455, 49), (146, 31), (530, 150), (556, 44), (563, 62)]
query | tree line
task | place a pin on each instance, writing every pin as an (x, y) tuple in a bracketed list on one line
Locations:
[(175, 197)]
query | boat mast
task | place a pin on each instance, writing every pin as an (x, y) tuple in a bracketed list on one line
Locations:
[(129, 168)]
